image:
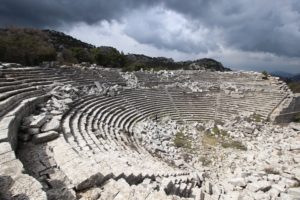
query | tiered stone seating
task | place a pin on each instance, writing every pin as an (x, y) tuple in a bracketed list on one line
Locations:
[(91, 129), (194, 106), (153, 103), (22, 88), (259, 103), (98, 142), (111, 76), (151, 79), (16, 102)]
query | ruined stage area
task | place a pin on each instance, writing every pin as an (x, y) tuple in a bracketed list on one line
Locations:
[(76, 132)]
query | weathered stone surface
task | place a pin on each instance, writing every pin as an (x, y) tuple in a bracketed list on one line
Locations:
[(238, 182), (33, 131), (38, 121), (29, 187), (61, 193), (259, 186), (45, 137), (7, 157), (24, 137), (5, 147), (52, 125), (131, 157), (294, 192), (11, 168)]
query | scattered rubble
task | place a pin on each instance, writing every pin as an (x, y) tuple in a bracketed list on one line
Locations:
[(110, 150), (247, 172), (131, 79)]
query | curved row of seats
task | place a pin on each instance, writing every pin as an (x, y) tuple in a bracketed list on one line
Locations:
[(99, 130), (261, 103), (21, 89), (100, 124), (155, 79), (97, 127)]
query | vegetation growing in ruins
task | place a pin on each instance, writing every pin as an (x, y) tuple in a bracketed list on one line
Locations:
[(256, 117), (218, 132), (234, 144), (265, 75), (206, 161), (294, 86), (209, 139), (217, 136), (270, 170), (182, 141), (297, 118)]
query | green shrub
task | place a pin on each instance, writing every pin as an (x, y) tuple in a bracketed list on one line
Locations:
[(265, 75), (205, 160), (81, 54), (297, 118), (295, 87), (25, 46), (182, 141), (257, 117), (215, 130), (219, 132), (109, 57), (271, 170)]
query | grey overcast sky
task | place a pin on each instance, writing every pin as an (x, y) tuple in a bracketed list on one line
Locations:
[(242, 34)]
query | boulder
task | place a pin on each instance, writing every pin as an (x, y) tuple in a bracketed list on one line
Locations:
[(208, 187), (56, 112), (238, 182), (39, 120), (24, 137), (53, 124), (294, 192), (33, 131), (45, 137), (259, 186), (296, 172)]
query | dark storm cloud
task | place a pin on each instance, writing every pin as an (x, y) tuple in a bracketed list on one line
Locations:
[(51, 13), (256, 25), (270, 26)]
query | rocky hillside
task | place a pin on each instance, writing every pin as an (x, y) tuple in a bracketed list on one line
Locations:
[(32, 46)]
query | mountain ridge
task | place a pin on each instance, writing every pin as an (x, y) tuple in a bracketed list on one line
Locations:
[(33, 46)]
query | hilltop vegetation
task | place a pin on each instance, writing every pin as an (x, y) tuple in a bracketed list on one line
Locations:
[(27, 46), (32, 47), (294, 86)]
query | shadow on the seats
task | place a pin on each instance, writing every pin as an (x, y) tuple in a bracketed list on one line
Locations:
[(6, 183)]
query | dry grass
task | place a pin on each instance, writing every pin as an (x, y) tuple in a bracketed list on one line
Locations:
[(182, 141), (209, 140), (234, 145), (270, 170), (205, 160)]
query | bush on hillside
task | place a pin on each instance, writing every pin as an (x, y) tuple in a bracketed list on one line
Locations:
[(109, 57), (25, 46), (81, 54), (294, 86)]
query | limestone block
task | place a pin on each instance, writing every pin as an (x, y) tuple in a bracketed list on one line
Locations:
[(238, 182), (33, 131), (52, 125), (39, 120), (45, 137), (259, 186), (294, 192)]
